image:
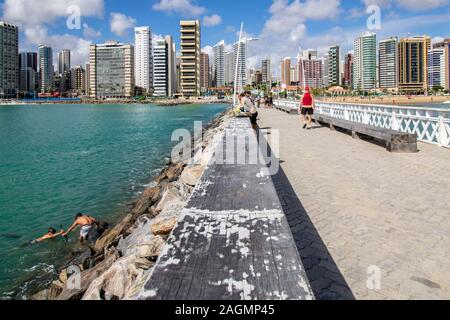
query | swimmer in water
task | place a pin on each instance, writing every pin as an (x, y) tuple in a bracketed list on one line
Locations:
[(50, 235)]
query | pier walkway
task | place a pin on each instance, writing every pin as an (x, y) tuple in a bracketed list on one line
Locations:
[(368, 224), (232, 241)]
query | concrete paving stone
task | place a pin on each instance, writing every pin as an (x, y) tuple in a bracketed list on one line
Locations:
[(368, 206)]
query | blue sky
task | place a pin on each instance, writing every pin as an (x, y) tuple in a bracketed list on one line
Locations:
[(282, 25)]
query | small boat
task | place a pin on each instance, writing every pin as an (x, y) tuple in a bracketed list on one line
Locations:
[(447, 102)]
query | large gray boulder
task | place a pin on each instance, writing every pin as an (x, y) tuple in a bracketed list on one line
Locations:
[(118, 280), (191, 176), (142, 243)]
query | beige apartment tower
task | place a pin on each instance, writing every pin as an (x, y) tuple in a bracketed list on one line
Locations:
[(204, 72), (111, 73), (413, 60), (190, 58), (286, 71)]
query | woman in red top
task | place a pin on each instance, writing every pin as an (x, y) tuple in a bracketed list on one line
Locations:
[(307, 108)]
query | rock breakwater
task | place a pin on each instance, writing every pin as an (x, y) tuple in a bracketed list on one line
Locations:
[(116, 266)]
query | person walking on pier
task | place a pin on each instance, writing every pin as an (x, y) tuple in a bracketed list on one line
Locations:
[(307, 109)]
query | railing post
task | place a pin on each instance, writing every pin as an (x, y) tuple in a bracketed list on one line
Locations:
[(346, 114), (443, 138), (395, 125), (366, 119)]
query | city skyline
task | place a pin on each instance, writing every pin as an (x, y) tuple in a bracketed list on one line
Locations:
[(336, 23), (366, 72)]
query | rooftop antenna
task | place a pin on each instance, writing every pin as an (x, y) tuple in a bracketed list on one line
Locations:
[(237, 65)]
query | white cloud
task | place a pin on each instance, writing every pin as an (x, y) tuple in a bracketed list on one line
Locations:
[(33, 16), (120, 23), (37, 12), (401, 27), (228, 47), (419, 5), (183, 7), (79, 47), (413, 5), (89, 32), (213, 20), (285, 30), (208, 50), (230, 29), (380, 3), (437, 39)]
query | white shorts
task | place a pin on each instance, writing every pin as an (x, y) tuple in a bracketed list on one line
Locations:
[(85, 230)]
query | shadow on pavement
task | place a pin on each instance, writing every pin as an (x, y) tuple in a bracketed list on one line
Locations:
[(324, 276)]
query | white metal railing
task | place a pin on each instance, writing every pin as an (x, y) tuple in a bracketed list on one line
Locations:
[(431, 125)]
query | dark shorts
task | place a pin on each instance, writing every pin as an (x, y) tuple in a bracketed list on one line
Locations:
[(307, 111), (254, 118)]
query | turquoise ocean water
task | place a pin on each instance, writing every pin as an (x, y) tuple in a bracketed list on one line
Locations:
[(57, 160)]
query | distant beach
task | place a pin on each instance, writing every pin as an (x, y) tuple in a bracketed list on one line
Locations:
[(159, 102), (391, 100)]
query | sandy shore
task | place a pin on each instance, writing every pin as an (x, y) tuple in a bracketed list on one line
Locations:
[(161, 102), (392, 100)]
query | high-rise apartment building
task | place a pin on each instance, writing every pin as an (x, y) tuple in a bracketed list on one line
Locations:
[(46, 84), (258, 77), (229, 68), (266, 71), (87, 80), (143, 59), (161, 68), (111, 70), (334, 66), (310, 70), (388, 63), (78, 82), (286, 71), (64, 61), (348, 70), (325, 70), (309, 54), (294, 76), (436, 68), (219, 64), (190, 57), (171, 66), (413, 60), (204, 72), (241, 61), (365, 62), (64, 72), (446, 46), (9, 62), (29, 77)]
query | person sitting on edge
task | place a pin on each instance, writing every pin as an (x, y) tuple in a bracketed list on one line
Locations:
[(50, 235), (86, 223), (250, 106)]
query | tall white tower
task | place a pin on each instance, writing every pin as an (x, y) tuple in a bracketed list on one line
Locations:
[(219, 64), (365, 62), (143, 58)]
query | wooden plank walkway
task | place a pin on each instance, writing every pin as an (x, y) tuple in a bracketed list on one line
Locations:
[(232, 241)]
